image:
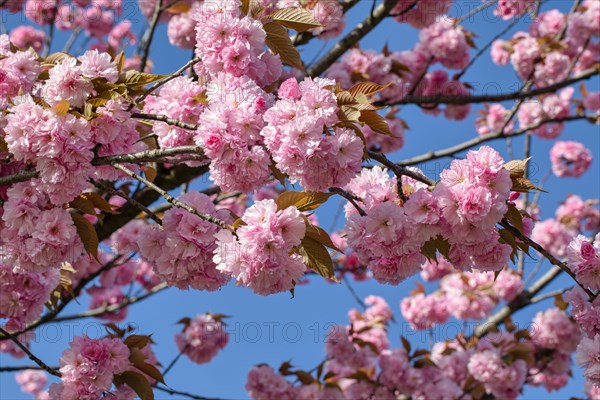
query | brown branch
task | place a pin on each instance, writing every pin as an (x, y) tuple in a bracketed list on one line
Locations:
[(517, 233), (50, 316), (451, 151), (128, 199), (519, 302), (148, 155), (352, 38), (350, 197), (517, 95), (97, 312), (165, 119), (20, 176), (185, 394), (172, 199), (31, 356), (142, 156), (400, 170), (149, 35), (23, 368)]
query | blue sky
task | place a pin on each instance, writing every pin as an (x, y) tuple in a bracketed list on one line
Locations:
[(277, 328)]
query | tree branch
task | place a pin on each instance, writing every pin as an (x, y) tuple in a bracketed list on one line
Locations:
[(517, 95), (519, 302), (165, 119), (352, 38), (97, 312), (451, 151), (31, 356), (400, 170), (172, 199), (517, 233)]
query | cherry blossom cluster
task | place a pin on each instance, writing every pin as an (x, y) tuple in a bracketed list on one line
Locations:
[(182, 25), (570, 158), (422, 13), (228, 41), (202, 338), (361, 364), (178, 99), (33, 382), (571, 218), (463, 208), (584, 261), (260, 255), (542, 53), (22, 295), (507, 9), (88, 367), (96, 18), (230, 132), (38, 236), (181, 250), (551, 106), (587, 316), (404, 69), (463, 295), (302, 149), (493, 120)]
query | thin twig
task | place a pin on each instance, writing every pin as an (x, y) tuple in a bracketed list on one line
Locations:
[(353, 292), (350, 197), (97, 312), (451, 151), (131, 201), (549, 295), (23, 368), (149, 35), (352, 38), (553, 260), (440, 99), (31, 356), (172, 76), (172, 199), (400, 170), (186, 394), (165, 119)]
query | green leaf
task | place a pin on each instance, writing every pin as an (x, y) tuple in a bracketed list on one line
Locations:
[(524, 185), (424, 362), (277, 174), (517, 167), (86, 233), (303, 201), (137, 382), (296, 18), (280, 43), (150, 173), (317, 258)]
